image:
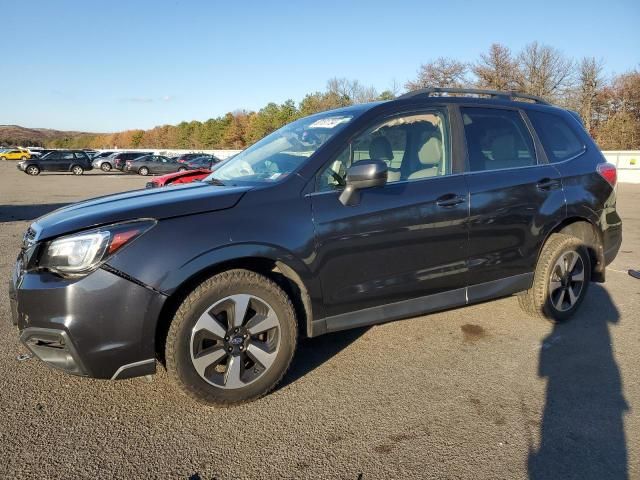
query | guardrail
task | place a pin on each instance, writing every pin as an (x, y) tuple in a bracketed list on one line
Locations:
[(627, 162)]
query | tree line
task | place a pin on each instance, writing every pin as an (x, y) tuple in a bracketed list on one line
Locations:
[(608, 105)]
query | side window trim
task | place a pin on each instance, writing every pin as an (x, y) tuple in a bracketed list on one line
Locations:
[(537, 146), (440, 109)]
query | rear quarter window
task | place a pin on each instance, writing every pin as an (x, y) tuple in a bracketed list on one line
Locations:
[(559, 139)]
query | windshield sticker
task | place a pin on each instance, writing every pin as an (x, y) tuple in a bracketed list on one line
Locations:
[(329, 122)]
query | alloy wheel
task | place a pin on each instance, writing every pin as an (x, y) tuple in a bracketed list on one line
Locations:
[(76, 170), (567, 281), (235, 341), (32, 170)]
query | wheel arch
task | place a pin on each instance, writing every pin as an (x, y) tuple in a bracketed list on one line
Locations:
[(284, 275), (585, 230)]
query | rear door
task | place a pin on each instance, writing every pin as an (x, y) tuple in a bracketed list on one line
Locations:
[(164, 165), (514, 194), (82, 159), (67, 159)]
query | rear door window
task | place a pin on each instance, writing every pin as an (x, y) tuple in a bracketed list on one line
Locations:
[(559, 140), (497, 139)]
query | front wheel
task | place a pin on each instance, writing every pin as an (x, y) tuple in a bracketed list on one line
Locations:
[(106, 167), (32, 170), (232, 339), (560, 281), (3, 158), (77, 170), (23, 158), (144, 171), (182, 169)]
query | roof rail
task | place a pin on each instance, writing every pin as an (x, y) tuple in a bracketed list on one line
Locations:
[(503, 95)]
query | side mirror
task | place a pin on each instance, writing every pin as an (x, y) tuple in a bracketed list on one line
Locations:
[(363, 174)]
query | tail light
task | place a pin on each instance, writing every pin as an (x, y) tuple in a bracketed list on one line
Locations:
[(608, 172)]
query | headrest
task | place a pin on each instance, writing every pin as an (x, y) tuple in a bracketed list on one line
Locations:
[(503, 148), (431, 152), (380, 149)]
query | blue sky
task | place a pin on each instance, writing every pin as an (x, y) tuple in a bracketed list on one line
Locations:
[(104, 66)]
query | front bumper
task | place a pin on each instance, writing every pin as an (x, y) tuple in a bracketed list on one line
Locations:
[(100, 326)]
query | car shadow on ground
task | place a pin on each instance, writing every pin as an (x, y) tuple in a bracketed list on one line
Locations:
[(582, 431), (313, 352), (16, 213)]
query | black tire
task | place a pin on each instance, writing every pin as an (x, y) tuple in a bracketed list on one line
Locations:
[(3, 158), (558, 304), (106, 167), (77, 170), (32, 170), (144, 171), (204, 298), (23, 158)]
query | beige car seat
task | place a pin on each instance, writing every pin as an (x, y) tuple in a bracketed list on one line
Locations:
[(429, 154)]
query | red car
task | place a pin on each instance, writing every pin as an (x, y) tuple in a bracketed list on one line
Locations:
[(178, 178)]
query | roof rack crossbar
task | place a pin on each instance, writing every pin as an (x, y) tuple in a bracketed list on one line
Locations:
[(503, 95)]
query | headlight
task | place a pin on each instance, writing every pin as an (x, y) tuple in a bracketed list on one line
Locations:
[(83, 252)]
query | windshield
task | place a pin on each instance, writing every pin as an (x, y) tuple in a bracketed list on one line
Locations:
[(282, 152)]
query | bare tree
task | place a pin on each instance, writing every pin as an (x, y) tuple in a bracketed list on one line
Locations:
[(497, 69), (351, 90), (544, 71), (442, 72), (589, 89)]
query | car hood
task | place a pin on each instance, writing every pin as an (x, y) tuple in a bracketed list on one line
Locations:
[(149, 203)]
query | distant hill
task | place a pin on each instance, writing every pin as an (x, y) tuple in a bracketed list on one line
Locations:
[(16, 135)]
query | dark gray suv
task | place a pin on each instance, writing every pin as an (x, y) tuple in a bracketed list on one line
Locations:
[(346, 218)]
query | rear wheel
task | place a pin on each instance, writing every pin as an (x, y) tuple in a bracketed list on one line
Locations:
[(3, 158), (182, 169), (232, 339), (106, 167), (561, 279), (32, 170), (144, 171), (77, 170), (23, 158)]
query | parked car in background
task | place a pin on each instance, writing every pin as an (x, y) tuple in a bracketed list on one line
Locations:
[(186, 157), (152, 164), (41, 152), (74, 161), (105, 162), (120, 158), (187, 176), (206, 161), (104, 153), (15, 154), (178, 178)]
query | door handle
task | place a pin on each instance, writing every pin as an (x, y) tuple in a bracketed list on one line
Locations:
[(450, 200), (547, 184)]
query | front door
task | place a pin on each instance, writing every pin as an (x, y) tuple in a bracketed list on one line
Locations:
[(406, 240)]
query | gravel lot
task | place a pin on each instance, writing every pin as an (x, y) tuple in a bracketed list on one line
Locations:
[(476, 392)]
